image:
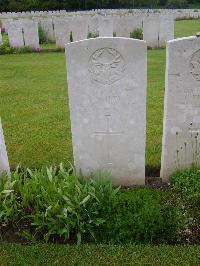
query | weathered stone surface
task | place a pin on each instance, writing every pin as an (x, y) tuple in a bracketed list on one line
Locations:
[(166, 30), (151, 27), (62, 31), (31, 37), (79, 28), (4, 164), (181, 132), (15, 34), (6, 24), (124, 25), (107, 92), (106, 27)]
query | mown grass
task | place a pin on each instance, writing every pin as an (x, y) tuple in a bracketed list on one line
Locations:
[(98, 255), (186, 27), (35, 112)]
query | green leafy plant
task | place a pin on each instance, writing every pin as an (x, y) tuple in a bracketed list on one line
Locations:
[(92, 35), (137, 34), (43, 38), (54, 202)]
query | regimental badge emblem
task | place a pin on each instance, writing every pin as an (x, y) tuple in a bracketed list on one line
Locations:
[(106, 66)]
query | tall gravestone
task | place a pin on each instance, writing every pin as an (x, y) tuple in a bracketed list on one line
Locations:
[(15, 34), (4, 164), (62, 31), (31, 36), (106, 27), (151, 27), (107, 94), (79, 28), (47, 26), (181, 132), (166, 30)]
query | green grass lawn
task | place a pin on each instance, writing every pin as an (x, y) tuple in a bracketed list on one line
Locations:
[(185, 28), (99, 255)]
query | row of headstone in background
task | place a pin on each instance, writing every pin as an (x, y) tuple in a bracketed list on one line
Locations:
[(107, 95), (23, 33), (4, 164), (177, 13), (157, 30)]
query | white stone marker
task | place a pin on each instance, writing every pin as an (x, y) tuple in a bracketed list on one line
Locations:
[(106, 27), (166, 30), (79, 28), (181, 132), (47, 26), (4, 164), (31, 37), (107, 80), (62, 31), (151, 27), (15, 34)]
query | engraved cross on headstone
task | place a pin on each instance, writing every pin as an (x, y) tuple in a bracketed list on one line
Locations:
[(107, 133)]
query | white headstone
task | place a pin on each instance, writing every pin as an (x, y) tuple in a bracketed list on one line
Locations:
[(4, 164), (181, 132), (6, 24), (47, 26), (31, 37), (79, 28), (15, 34), (123, 26), (62, 31), (106, 27), (166, 30), (107, 94), (151, 30)]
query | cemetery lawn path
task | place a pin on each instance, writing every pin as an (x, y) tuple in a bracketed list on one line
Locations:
[(35, 113), (50, 254)]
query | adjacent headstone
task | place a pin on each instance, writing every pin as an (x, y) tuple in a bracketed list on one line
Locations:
[(105, 27), (47, 26), (62, 32), (79, 28), (166, 30), (125, 25), (6, 24), (4, 164), (107, 92), (93, 25), (15, 34), (31, 37), (151, 27), (181, 132)]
